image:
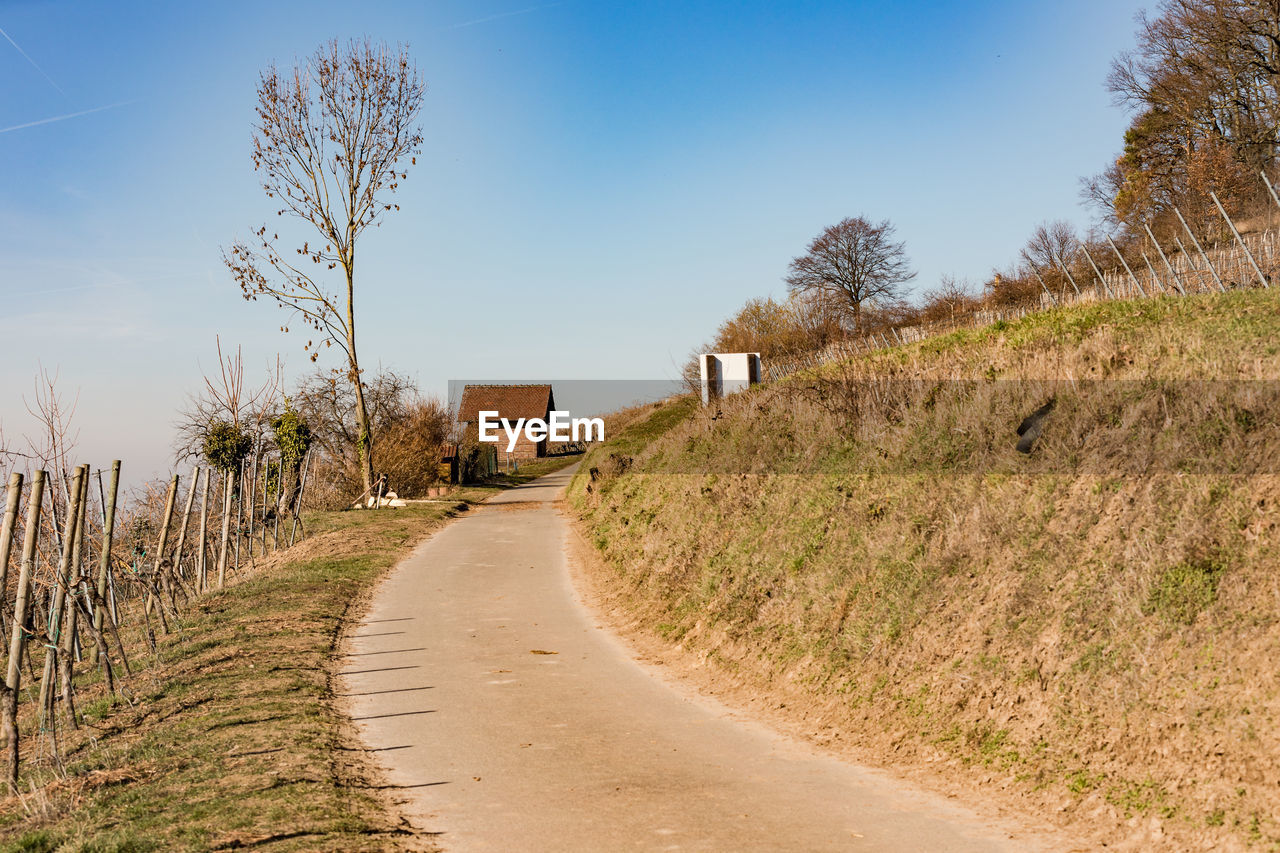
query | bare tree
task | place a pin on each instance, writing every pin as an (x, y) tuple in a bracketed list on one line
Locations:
[(950, 299), (856, 261), (57, 438), (1049, 243), (330, 141)]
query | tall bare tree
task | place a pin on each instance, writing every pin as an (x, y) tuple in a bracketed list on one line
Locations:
[(331, 141), (854, 260)]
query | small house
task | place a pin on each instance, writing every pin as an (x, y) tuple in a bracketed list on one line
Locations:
[(511, 402)]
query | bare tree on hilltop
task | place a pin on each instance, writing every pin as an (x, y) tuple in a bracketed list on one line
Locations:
[(330, 141), (854, 260)]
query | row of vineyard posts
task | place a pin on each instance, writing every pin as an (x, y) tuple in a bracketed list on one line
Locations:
[(80, 595)]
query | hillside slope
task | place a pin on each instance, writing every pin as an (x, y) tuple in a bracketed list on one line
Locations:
[(1090, 629)]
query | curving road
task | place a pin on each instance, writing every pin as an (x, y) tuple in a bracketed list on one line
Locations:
[(511, 722)]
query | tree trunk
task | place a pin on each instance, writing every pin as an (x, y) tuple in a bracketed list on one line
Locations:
[(364, 441)]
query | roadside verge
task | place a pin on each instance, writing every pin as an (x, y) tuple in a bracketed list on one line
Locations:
[(231, 738)]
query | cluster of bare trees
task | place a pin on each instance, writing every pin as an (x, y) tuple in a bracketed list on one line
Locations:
[(850, 279), (264, 438), (1202, 82), (408, 433), (1202, 85)]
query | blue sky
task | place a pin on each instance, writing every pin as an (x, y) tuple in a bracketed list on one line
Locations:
[(601, 183)]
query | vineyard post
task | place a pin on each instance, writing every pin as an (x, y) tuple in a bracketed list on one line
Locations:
[(297, 511), (202, 569), (1248, 254), (1066, 270), (1168, 266), (244, 465), (66, 657), (1154, 278), (1125, 264), (1191, 266), (59, 595), (1098, 273), (1045, 286), (266, 495), (253, 492), (6, 536), (186, 517), (228, 483), (169, 499), (108, 529), (104, 558), (275, 527), (1222, 287), (17, 643)]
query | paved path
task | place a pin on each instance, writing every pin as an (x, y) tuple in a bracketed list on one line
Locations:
[(514, 723)]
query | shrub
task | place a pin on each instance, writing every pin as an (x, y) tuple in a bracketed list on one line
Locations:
[(226, 445)]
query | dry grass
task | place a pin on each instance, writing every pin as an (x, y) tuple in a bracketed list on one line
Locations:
[(231, 738), (1091, 628)]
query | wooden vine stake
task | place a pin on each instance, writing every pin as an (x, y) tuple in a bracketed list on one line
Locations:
[(66, 655), (240, 510), (253, 492), (275, 527), (266, 493), (153, 594), (228, 483), (186, 518), (297, 504), (17, 644), (104, 559), (202, 563), (59, 596), (6, 535)]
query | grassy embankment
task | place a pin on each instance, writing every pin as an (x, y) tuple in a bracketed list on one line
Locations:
[(232, 739), (1091, 630)]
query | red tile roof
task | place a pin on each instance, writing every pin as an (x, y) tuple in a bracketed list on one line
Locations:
[(509, 401)]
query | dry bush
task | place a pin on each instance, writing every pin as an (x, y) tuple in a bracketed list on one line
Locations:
[(949, 301), (802, 323), (408, 449), (408, 431), (1011, 288)]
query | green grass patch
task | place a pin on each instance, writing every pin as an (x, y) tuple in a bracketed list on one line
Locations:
[(1185, 590)]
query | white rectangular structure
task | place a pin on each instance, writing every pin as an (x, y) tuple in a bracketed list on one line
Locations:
[(727, 373)]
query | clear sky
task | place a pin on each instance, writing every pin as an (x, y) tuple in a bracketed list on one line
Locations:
[(601, 183)]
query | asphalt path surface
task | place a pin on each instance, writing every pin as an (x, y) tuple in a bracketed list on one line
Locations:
[(508, 719)]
